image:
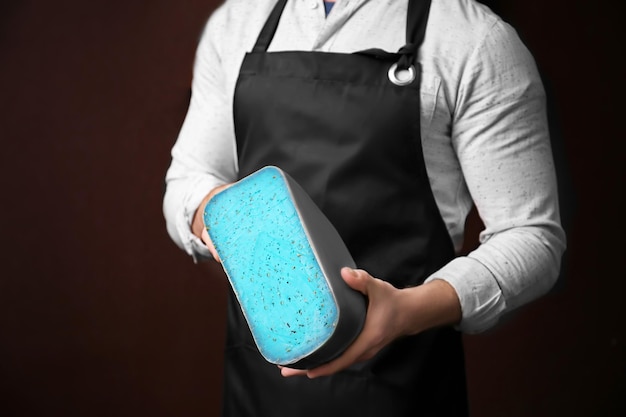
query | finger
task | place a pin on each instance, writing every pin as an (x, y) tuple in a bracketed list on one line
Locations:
[(352, 355), (357, 279), (366, 345), (209, 244), (288, 372)]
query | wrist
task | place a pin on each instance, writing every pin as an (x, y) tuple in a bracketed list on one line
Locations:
[(197, 224), (430, 305)]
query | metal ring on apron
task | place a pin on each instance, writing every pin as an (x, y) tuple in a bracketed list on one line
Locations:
[(401, 81)]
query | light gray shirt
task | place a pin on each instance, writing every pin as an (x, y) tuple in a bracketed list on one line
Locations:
[(484, 134)]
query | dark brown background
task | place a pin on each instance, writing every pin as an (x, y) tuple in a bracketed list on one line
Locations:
[(101, 315)]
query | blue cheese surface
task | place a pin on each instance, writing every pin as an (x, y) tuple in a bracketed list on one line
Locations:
[(271, 266)]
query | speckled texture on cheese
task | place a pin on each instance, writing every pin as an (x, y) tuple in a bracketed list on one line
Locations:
[(271, 266)]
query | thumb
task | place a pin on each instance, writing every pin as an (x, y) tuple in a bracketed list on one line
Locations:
[(209, 244), (356, 279)]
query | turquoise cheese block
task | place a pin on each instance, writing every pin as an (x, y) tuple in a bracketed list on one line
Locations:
[(283, 260)]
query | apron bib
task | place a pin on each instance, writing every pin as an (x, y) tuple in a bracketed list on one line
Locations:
[(351, 138)]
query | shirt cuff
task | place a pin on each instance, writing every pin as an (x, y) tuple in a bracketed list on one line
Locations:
[(481, 298), (193, 245)]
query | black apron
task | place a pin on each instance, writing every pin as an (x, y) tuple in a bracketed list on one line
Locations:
[(338, 125)]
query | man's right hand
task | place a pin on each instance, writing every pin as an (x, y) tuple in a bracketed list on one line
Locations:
[(198, 227)]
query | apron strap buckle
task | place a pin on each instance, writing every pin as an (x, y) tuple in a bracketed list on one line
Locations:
[(401, 77)]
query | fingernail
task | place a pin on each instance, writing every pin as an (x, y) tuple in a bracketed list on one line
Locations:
[(351, 271)]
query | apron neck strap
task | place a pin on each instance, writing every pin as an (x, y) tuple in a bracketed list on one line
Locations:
[(416, 20), (267, 33)]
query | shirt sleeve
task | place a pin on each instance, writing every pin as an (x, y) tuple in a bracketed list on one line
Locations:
[(203, 155), (500, 135)]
